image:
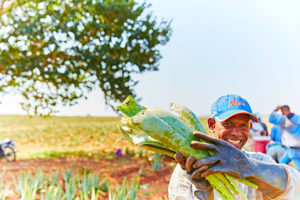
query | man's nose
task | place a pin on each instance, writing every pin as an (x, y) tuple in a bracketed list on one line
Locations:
[(236, 131)]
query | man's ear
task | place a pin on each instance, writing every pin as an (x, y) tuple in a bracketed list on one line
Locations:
[(251, 124), (211, 123)]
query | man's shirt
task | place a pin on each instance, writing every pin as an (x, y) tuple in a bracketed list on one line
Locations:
[(290, 128)]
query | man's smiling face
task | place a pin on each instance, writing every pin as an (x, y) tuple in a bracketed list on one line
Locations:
[(234, 130)]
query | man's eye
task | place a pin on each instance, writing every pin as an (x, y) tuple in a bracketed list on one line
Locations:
[(227, 124)]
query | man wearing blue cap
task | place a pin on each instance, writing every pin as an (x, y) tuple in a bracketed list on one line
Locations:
[(230, 123)]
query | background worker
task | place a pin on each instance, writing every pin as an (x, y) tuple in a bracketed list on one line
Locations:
[(289, 124), (258, 129), (230, 123), (274, 148)]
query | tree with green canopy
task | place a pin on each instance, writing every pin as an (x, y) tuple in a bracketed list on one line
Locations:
[(56, 51)]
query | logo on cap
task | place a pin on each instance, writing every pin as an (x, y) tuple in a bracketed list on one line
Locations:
[(235, 103)]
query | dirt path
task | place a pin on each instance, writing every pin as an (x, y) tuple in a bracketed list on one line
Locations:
[(115, 170)]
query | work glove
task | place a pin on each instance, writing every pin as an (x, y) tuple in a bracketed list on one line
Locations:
[(187, 165), (168, 159), (195, 178), (270, 178)]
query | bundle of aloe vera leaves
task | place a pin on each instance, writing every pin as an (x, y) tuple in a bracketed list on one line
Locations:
[(166, 133)]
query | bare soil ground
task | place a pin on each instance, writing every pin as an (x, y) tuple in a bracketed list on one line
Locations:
[(115, 170)]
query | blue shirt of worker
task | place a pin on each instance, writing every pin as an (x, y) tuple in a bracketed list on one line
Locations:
[(290, 127)]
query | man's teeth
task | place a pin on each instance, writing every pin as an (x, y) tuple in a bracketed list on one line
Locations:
[(234, 141)]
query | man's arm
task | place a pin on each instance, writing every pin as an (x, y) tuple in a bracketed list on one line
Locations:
[(294, 118), (293, 185), (275, 134), (271, 179), (276, 118)]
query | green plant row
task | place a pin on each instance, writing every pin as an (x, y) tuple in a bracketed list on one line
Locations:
[(88, 186)]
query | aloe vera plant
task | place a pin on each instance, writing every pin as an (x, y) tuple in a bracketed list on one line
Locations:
[(127, 191), (4, 192), (165, 133), (28, 186), (87, 186)]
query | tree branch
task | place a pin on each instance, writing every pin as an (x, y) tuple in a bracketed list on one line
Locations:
[(2, 67), (3, 10), (2, 4)]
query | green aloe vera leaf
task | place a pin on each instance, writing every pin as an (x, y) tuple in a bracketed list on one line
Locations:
[(158, 149), (162, 132), (223, 178), (130, 107), (178, 125), (221, 187), (189, 118), (246, 182), (126, 133), (236, 186), (139, 139)]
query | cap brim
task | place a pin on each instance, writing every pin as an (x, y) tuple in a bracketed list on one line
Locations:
[(231, 113)]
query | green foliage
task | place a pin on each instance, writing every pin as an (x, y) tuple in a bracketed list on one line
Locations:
[(104, 186), (86, 186), (70, 185), (127, 191), (4, 191), (89, 184), (57, 51), (156, 163), (6, 5), (28, 186)]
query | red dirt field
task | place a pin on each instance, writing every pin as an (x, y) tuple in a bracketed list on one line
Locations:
[(114, 170)]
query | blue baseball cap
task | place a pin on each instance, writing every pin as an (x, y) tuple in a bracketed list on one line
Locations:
[(230, 105)]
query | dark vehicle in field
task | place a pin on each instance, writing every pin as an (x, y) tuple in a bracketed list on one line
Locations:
[(7, 150)]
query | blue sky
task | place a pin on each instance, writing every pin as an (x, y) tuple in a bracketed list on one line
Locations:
[(251, 48)]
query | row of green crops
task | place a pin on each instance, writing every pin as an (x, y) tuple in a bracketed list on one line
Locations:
[(69, 186)]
